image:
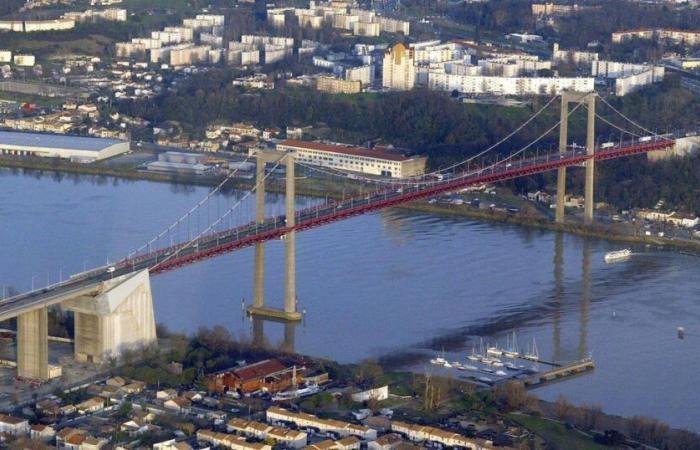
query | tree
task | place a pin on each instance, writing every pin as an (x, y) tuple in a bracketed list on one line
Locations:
[(563, 409), (368, 372), (512, 395)]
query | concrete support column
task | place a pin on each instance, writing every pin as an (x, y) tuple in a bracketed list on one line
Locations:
[(33, 345), (118, 319), (289, 337), (260, 190), (259, 276), (561, 172), (290, 288), (590, 164), (258, 332), (259, 270), (289, 312)]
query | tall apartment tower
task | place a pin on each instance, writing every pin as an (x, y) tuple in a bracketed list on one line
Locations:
[(399, 71)]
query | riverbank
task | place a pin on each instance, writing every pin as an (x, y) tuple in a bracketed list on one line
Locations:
[(306, 187), (337, 189), (597, 231)]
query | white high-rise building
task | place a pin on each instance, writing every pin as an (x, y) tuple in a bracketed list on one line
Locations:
[(398, 71)]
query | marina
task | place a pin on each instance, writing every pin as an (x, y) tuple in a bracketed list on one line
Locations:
[(509, 364)]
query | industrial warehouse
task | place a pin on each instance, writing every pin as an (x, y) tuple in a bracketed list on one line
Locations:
[(75, 148)]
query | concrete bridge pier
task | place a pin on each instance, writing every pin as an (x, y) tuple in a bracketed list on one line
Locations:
[(589, 99), (33, 345), (289, 311), (288, 341), (561, 172), (590, 164), (290, 277), (119, 318), (259, 274)]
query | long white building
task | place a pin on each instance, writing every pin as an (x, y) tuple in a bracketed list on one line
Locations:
[(275, 414), (354, 159), (628, 77), (83, 149), (469, 84)]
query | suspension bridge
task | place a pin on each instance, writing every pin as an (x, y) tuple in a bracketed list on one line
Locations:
[(95, 326)]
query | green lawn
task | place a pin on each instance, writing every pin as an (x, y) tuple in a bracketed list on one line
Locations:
[(557, 434)]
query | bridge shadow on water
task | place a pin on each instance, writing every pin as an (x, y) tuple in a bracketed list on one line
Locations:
[(553, 306)]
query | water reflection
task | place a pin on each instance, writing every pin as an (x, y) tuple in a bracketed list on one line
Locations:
[(585, 300), (558, 294), (419, 285), (260, 340)]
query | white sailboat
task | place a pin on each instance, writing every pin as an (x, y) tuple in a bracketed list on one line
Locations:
[(533, 354), (473, 356), (512, 348), (494, 351)]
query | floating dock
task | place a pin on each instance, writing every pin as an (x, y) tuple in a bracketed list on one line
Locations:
[(559, 373)]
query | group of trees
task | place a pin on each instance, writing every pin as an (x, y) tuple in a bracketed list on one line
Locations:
[(645, 430), (434, 124), (599, 23), (429, 122)]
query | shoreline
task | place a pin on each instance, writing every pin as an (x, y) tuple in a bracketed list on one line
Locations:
[(593, 231), (321, 188)]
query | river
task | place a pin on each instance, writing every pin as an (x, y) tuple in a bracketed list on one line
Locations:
[(393, 282)]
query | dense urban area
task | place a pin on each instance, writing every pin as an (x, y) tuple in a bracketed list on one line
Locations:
[(442, 107)]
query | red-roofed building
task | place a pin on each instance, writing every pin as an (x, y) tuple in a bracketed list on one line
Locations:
[(379, 161), (270, 375)]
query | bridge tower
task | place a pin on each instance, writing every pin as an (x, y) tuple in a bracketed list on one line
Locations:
[(589, 99), (33, 345), (258, 308)]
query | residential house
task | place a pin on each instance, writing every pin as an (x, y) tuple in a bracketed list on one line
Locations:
[(166, 394), (348, 443), (91, 405), (386, 442), (13, 425), (275, 414), (230, 441), (42, 433), (263, 431), (172, 444), (180, 405)]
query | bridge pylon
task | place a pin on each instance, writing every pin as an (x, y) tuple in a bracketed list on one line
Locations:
[(289, 312), (589, 99)]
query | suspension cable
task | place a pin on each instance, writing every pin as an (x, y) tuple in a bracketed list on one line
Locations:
[(627, 118), (466, 174), (220, 219), (192, 210), (618, 128), (403, 181)]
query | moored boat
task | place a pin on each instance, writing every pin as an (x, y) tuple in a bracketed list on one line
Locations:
[(618, 255)]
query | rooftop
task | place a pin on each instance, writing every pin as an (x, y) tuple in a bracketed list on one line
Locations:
[(56, 141), (345, 149), (259, 369)]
